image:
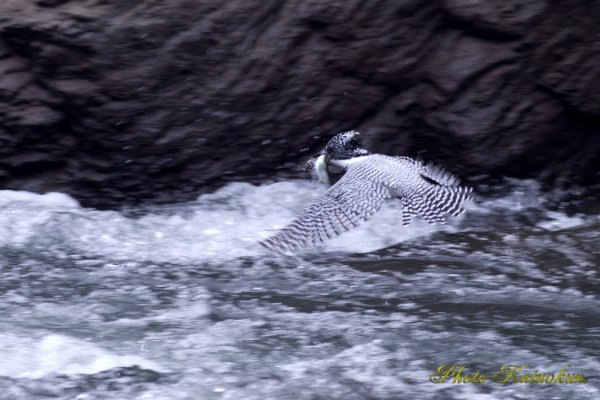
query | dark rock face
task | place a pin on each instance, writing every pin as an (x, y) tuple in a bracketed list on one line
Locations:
[(119, 102)]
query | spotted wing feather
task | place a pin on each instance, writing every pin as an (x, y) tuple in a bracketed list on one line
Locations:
[(437, 196), (345, 205)]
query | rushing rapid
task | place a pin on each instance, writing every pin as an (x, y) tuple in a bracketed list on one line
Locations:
[(179, 302)]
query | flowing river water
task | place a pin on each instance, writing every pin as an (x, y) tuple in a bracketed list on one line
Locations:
[(177, 302)]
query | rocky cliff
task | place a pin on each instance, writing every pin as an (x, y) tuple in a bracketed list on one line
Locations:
[(118, 101)]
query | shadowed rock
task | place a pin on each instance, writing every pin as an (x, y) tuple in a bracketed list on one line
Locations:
[(119, 102)]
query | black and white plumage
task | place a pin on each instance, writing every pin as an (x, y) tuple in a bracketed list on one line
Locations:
[(364, 182)]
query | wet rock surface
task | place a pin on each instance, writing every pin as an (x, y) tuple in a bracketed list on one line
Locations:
[(119, 102)]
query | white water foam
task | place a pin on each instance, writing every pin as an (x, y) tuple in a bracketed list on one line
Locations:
[(223, 225), (559, 221), (60, 354)]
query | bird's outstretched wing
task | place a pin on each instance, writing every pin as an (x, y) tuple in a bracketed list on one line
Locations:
[(436, 195), (350, 201)]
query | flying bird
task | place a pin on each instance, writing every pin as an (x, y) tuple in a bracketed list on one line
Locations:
[(361, 182)]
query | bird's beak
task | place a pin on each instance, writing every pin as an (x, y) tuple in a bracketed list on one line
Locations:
[(310, 163)]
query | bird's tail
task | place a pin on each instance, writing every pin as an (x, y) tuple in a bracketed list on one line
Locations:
[(435, 202)]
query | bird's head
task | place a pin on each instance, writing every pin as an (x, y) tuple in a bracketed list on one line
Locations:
[(345, 146)]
